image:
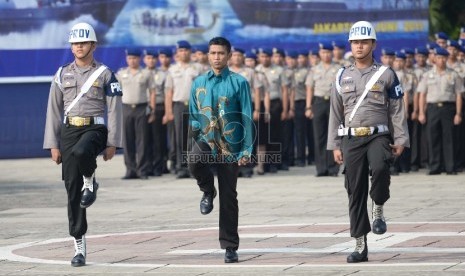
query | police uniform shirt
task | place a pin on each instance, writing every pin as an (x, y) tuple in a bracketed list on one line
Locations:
[(105, 93), (321, 79), (160, 77), (135, 85), (300, 77), (442, 87), (262, 83), (276, 79), (383, 104), (408, 82), (289, 75), (180, 79), (204, 68), (419, 71), (458, 67)]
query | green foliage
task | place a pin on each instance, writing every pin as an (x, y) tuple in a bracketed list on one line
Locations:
[(446, 16)]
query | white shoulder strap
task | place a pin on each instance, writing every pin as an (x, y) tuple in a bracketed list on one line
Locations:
[(85, 87), (58, 76), (368, 86), (338, 77)]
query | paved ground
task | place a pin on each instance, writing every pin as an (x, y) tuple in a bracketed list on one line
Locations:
[(291, 223)]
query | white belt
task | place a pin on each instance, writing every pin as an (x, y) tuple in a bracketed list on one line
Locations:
[(362, 131)]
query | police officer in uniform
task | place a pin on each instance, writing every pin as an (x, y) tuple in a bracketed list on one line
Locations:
[(441, 91), (298, 98), (81, 91), (367, 127), (178, 84), (279, 102), (138, 112), (319, 82), (418, 140)]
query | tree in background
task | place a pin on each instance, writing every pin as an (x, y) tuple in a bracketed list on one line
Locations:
[(446, 16)]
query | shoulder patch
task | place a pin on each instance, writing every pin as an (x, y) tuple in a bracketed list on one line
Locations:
[(395, 91), (113, 88)]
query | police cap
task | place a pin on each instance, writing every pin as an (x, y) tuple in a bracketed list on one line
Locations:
[(431, 45), (151, 52), (266, 51), (165, 51), (183, 44), (326, 46), (278, 51), (339, 44), (250, 54), (441, 51), (202, 48), (133, 52), (441, 35), (401, 55), (453, 43), (236, 49), (388, 51), (292, 54), (408, 51), (421, 50)]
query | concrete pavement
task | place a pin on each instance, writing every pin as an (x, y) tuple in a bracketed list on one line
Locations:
[(291, 223)]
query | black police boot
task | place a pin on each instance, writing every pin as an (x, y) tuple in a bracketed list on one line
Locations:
[(379, 224), (360, 253), (231, 256), (80, 252), (206, 203), (89, 194)]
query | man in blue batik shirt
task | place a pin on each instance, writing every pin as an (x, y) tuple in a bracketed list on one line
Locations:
[(221, 133)]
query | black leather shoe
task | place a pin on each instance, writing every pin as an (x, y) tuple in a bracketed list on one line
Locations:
[(130, 176), (273, 169), (451, 173), (433, 173), (206, 203), (231, 256), (88, 197), (78, 260), (356, 256), (379, 227), (144, 177)]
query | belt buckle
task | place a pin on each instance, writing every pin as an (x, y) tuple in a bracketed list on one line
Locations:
[(440, 104), (133, 105), (362, 131), (326, 98), (78, 121)]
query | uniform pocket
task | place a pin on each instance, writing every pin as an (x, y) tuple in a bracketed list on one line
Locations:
[(69, 89), (96, 90), (376, 97)]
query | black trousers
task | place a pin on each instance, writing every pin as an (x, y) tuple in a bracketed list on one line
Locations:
[(136, 135), (416, 140), (324, 159), (181, 123), (79, 149), (288, 142), (364, 156), (227, 184), (300, 125), (158, 141), (275, 145), (440, 131)]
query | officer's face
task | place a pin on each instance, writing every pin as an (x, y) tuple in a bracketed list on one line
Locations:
[(291, 62), (150, 61), (387, 60), (452, 50), (399, 64), (218, 57), (277, 59), (201, 57), (250, 62), (440, 61), (362, 49), (338, 52), (420, 59), (264, 59), (183, 54), (302, 61), (237, 59), (82, 49), (326, 55), (133, 61), (442, 43), (164, 60), (409, 60)]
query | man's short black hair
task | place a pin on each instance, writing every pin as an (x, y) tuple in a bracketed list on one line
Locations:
[(220, 41)]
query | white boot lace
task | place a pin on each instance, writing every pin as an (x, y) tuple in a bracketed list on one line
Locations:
[(80, 246), (378, 212), (360, 244), (88, 183)]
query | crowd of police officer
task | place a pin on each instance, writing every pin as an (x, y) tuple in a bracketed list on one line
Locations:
[(291, 94)]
